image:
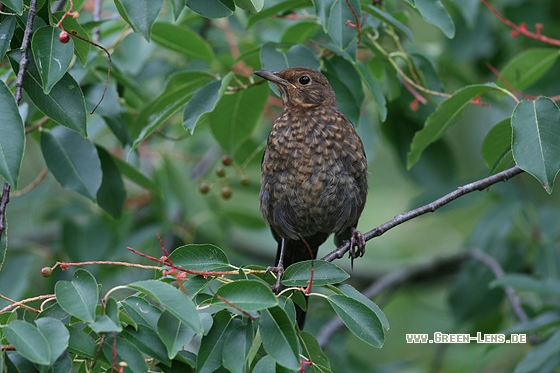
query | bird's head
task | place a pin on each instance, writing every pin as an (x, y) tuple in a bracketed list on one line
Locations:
[(301, 86)]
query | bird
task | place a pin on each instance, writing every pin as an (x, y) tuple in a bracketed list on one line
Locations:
[(313, 172)]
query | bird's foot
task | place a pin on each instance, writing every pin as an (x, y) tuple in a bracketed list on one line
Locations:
[(357, 245), (279, 271)]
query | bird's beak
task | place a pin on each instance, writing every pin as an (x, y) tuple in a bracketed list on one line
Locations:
[(271, 76)]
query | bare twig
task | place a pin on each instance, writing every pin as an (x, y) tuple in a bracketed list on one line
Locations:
[(431, 207), (3, 203), (24, 60), (28, 300), (497, 270), (522, 28)]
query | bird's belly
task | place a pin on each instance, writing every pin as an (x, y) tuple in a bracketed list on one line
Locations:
[(309, 199)]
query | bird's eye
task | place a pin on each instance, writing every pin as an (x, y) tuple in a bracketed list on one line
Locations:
[(304, 80)]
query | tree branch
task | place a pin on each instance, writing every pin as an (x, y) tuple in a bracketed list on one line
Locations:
[(24, 61), (3, 203), (431, 207)]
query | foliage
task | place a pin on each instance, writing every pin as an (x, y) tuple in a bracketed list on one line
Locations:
[(96, 139)]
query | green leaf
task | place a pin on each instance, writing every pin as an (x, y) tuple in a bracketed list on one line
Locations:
[(539, 355), (528, 283), (173, 333), (199, 257), (445, 115), (7, 28), (374, 88), (527, 67), (333, 15), (51, 56), (12, 141), (236, 116), (136, 176), (182, 40), (111, 193), (247, 295), (275, 9), (81, 343), (252, 6), (433, 12), (324, 273), (300, 32), (73, 161), (350, 291), (237, 347), (173, 300), (140, 14), (536, 135), (496, 146), (15, 5), (109, 321), (312, 350), (81, 47), (125, 352), (148, 341), (212, 8), (142, 311), (389, 19), (204, 102), (28, 341), (279, 338), (178, 86), (359, 319), (211, 347), (78, 297), (347, 84), (65, 103), (56, 335)]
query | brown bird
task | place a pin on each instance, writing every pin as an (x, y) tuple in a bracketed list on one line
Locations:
[(314, 172)]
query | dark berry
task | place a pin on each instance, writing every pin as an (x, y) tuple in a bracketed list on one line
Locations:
[(245, 180), (226, 160), (204, 188), (220, 172), (226, 192)]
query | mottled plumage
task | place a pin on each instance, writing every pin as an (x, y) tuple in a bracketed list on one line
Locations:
[(314, 169)]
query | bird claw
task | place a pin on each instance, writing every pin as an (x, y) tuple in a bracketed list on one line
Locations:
[(277, 287), (357, 245)]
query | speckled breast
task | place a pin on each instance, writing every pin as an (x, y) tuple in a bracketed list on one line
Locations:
[(314, 176)]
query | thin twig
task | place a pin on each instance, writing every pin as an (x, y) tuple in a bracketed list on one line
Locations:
[(498, 272), (33, 184), (75, 34), (3, 204), (24, 61), (522, 28), (431, 207), (23, 302)]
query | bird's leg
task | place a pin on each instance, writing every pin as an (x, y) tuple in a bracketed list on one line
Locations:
[(279, 269), (357, 244)]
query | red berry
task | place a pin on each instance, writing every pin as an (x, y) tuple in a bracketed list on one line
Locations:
[(204, 188), (226, 160), (64, 37), (46, 272), (226, 192)]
